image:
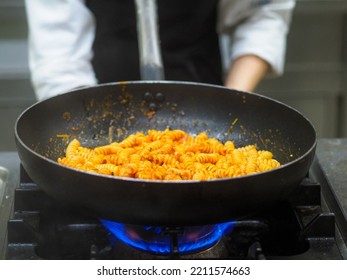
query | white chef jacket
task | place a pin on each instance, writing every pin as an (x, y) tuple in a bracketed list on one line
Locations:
[(61, 35)]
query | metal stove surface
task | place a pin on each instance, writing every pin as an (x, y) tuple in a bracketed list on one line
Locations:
[(322, 218), (10, 163), (330, 169)]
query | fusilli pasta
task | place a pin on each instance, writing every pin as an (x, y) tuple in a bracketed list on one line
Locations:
[(169, 155)]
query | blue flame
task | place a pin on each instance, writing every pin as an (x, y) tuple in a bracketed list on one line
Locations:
[(156, 240)]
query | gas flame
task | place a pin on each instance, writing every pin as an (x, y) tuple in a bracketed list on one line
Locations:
[(157, 239)]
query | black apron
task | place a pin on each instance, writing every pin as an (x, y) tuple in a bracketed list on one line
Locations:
[(188, 40)]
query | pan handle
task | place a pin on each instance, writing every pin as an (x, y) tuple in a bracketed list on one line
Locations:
[(151, 66)]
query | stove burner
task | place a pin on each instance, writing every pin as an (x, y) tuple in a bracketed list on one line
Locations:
[(298, 228), (169, 240)]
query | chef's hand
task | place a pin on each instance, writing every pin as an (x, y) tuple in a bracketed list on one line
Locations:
[(246, 72)]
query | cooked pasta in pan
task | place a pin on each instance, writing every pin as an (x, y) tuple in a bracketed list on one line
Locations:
[(169, 155)]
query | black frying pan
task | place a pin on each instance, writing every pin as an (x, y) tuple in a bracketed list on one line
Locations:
[(97, 115)]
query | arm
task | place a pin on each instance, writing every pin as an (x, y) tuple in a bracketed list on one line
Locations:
[(257, 35), (61, 34), (246, 72)]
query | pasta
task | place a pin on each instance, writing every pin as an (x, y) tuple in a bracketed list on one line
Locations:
[(169, 155)]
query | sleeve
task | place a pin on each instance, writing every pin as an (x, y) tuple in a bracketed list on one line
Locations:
[(257, 27), (61, 34)]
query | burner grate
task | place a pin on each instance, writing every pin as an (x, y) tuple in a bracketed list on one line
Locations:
[(40, 228)]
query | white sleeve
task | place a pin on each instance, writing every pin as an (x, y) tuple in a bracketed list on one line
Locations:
[(257, 27), (61, 34)]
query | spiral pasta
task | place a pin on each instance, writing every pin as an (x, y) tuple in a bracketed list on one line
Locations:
[(169, 155)]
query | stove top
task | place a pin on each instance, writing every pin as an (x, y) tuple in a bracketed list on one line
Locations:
[(310, 225)]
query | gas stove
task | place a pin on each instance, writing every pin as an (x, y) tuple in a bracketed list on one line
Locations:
[(310, 224)]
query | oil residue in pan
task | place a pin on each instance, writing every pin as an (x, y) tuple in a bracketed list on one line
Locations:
[(115, 116)]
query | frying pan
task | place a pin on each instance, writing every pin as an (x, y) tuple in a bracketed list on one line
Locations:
[(109, 112), (101, 114)]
